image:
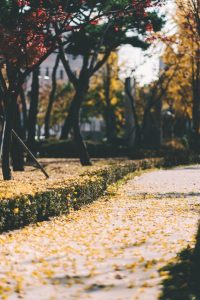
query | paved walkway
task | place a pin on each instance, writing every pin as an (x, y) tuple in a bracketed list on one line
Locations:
[(110, 250)]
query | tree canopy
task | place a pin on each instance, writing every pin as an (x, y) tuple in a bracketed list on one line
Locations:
[(31, 30)]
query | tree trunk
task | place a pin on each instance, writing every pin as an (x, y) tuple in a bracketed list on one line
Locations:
[(24, 112), (134, 138), (81, 85), (151, 130), (73, 121), (78, 139), (158, 123), (12, 120), (17, 153), (6, 138), (51, 98), (147, 129), (10, 115), (110, 124), (109, 113), (68, 121), (32, 118)]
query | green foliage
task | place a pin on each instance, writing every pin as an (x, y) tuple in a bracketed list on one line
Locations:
[(108, 35)]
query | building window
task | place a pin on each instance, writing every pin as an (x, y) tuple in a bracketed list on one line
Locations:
[(47, 72), (61, 74)]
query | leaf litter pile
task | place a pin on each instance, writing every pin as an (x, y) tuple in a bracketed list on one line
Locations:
[(59, 170), (112, 249)]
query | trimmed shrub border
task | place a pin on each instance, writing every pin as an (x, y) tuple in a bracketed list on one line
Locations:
[(26, 209)]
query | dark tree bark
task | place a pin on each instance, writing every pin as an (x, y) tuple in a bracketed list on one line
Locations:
[(151, 131), (17, 153), (79, 98), (81, 84), (110, 123), (24, 112), (159, 122), (157, 94), (51, 98), (6, 139), (109, 113), (73, 119), (32, 117), (152, 126), (10, 120), (67, 123), (78, 139), (135, 130)]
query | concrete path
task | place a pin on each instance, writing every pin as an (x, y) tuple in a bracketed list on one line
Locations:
[(110, 250)]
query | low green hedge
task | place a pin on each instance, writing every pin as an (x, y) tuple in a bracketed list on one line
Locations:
[(63, 149), (67, 149), (26, 209)]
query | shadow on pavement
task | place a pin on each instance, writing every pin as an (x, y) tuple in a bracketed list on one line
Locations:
[(164, 195), (183, 282), (195, 168)]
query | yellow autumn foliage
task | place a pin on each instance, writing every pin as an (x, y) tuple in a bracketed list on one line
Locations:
[(106, 86), (182, 60)]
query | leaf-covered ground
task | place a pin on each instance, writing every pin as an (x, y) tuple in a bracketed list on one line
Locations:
[(114, 249), (33, 180)]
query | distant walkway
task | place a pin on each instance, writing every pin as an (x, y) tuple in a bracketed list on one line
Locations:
[(110, 250)]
